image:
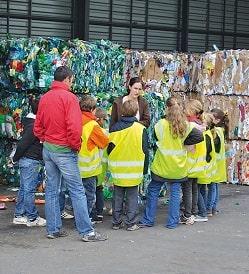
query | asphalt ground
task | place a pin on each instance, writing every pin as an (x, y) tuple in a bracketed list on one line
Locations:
[(219, 246)]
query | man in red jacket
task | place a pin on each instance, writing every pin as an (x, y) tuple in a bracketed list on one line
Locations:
[(59, 125)]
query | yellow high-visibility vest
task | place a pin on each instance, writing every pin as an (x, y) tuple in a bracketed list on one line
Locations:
[(210, 168), (170, 160), (104, 159), (89, 161), (197, 161), (221, 174), (126, 160)]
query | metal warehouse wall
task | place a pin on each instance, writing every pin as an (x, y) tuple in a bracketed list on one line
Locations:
[(184, 25)]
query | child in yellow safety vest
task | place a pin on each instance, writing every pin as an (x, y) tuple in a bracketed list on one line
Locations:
[(195, 161), (173, 133), (127, 162), (220, 134), (97, 214), (93, 139), (206, 177)]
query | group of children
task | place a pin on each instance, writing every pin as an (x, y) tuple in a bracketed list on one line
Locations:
[(189, 157)]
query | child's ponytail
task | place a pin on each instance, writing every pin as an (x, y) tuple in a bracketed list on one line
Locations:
[(176, 118)]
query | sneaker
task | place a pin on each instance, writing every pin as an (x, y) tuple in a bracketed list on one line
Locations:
[(65, 215), (56, 235), (132, 228), (118, 226), (39, 221), (209, 213), (142, 225), (94, 237), (98, 219), (215, 212), (187, 220), (200, 219), (21, 220)]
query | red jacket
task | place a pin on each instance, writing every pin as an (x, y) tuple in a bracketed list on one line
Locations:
[(59, 119)]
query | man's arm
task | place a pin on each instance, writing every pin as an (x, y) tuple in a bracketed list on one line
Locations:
[(73, 118)]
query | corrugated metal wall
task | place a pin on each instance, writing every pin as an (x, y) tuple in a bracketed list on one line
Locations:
[(21, 18), (141, 24)]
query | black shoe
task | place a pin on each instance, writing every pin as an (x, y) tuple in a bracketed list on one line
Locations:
[(98, 219), (57, 235), (118, 226), (96, 237)]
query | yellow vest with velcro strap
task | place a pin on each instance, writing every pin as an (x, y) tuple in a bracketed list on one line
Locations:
[(170, 161), (89, 161), (210, 168), (221, 174), (197, 161), (126, 160)]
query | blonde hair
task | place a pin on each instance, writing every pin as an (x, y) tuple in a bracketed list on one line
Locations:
[(193, 107), (176, 118), (208, 119), (87, 103), (129, 108), (100, 113)]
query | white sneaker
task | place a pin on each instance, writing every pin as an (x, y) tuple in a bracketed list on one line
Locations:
[(39, 221), (200, 219), (22, 220), (65, 215)]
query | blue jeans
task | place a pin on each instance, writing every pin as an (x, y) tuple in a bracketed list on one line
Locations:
[(64, 165), (213, 196), (202, 194), (29, 180), (151, 203), (90, 189)]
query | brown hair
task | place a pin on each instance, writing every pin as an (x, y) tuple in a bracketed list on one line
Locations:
[(194, 107), (129, 108), (100, 113), (133, 81), (176, 118), (87, 103), (223, 120)]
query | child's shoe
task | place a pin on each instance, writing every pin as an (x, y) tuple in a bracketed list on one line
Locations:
[(215, 211), (118, 226), (39, 221), (200, 219), (65, 215), (132, 228), (98, 219), (94, 237), (21, 220), (56, 235), (209, 213), (187, 220)]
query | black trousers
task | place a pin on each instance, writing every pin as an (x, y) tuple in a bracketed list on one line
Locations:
[(190, 197)]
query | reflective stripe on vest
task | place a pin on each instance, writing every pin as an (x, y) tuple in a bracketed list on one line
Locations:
[(127, 175), (89, 162), (170, 160), (197, 161), (210, 168), (126, 160)]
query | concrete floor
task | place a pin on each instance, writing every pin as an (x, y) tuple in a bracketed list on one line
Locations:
[(219, 246)]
